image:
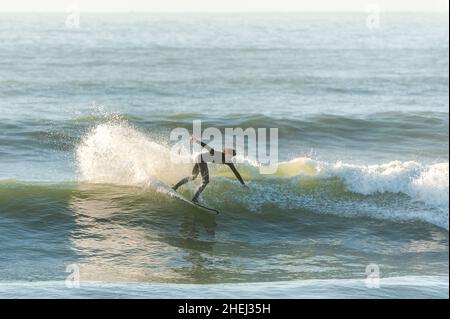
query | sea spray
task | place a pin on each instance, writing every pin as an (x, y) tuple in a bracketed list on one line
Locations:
[(115, 152)]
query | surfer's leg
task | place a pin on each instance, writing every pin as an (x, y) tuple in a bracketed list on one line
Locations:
[(193, 176), (205, 180)]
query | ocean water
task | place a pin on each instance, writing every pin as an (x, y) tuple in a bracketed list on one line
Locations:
[(362, 114)]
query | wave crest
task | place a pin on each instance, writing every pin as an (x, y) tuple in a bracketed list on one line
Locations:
[(117, 153)]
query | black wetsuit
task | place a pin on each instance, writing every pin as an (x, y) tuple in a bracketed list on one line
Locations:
[(201, 167)]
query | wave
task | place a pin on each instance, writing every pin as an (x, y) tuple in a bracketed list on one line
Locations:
[(423, 133), (118, 153), (391, 287), (377, 119), (389, 119)]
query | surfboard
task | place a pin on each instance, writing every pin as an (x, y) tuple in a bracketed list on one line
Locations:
[(180, 197), (200, 206)]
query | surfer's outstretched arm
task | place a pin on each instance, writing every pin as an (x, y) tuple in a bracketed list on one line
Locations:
[(236, 173), (204, 145)]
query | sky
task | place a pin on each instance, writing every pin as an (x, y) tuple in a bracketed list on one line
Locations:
[(223, 5)]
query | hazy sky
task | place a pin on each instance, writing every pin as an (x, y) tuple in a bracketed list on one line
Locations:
[(222, 5)]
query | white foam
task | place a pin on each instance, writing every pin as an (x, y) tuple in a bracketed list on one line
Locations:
[(426, 183), (117, 153), (431, 186)]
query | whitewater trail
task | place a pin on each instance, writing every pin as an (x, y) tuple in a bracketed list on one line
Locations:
[(117, 153)]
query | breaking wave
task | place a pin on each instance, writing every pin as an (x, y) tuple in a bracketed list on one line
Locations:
[(117, 153)]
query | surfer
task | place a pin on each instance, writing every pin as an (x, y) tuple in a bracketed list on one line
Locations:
[(201, 166)]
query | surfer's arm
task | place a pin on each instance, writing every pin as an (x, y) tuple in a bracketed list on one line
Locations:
[(236, 173), (204, 145)]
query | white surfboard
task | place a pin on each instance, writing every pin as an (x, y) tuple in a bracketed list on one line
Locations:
[(172, 193), (200, 206)]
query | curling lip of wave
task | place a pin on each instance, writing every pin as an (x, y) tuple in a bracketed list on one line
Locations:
[(427, 183)]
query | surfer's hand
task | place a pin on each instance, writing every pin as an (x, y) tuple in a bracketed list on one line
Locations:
[(193, 138)]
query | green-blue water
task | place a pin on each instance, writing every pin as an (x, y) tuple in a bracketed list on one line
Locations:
[(85, 117)]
